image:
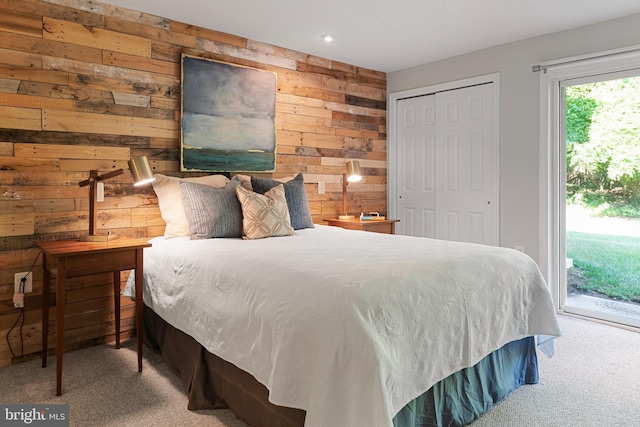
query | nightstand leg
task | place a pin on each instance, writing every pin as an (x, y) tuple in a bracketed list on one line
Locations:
[(46, 293), (139, 304), (116, 305), (61, 287)]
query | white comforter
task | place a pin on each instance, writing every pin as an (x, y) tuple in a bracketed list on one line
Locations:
[(347, 325)]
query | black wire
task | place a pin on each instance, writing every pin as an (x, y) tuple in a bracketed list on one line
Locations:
[(31, 268), (21, 315)]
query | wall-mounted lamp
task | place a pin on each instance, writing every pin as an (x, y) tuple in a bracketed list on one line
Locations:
[(141, 173), (352, 175)]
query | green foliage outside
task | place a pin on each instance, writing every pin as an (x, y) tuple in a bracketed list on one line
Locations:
[(609, 264), (603, 146), (603, 175)]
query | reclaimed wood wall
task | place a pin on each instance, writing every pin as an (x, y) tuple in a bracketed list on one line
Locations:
[(86, 85)]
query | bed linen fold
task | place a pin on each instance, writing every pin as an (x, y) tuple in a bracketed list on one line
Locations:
[(349, 326)]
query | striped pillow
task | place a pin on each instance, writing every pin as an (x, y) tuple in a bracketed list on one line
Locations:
[(212, 212), (264, 215)]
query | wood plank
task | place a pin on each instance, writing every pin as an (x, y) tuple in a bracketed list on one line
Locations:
[(55, 91), (13, 207), (53, 205), (54, 120), (363, 111), (297, 126), (155, 231), (144, 64), (52, 222), (74, 138), (107, 72), (105, 9), (70, 152), (6, 148), (49, 8), (36, 75), (41, 178), (49, 47), (17, 225), (126, 110), (165, 103), (146, 217), (135, 202), (256, 58), (146, 87), (287, 98), (356, 133), (84, 35), (166, 51), (101, 165), (20, 23), (208, 34), (17, 100), (367, 92), (304, 110), (152, 33), (9, 85), (31, 192), (10, 163), (18, 259), (20, 118), (114, 218), (25, 59), (372, 75), (311, 92)]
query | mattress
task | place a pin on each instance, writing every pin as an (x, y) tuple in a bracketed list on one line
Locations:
[(348, 326)]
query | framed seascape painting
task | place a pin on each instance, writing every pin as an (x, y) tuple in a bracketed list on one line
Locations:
[(228, 117)]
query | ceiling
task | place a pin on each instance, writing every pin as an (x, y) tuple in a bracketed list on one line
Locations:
[(386, 35)]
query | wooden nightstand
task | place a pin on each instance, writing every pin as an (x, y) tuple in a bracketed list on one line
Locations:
[(71, 258), (387, 226)]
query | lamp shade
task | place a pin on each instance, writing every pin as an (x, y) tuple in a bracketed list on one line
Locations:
[(140, 171), (353, 171)]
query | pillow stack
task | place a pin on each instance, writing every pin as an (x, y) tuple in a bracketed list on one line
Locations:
[(216, 207)]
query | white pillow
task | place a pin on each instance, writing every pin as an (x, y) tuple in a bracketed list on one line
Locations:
[(167, 188)]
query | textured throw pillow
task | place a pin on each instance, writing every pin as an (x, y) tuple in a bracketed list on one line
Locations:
[(264, 215), (296, 198), (212, 212), (167, 188)]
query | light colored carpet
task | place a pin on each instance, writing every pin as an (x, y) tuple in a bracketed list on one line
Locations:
[(593, 381)]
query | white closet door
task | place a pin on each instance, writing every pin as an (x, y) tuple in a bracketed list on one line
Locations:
[(416, 172), (447, 166)]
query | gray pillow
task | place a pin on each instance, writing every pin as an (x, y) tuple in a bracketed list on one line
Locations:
[(296, 196), (212, 212)]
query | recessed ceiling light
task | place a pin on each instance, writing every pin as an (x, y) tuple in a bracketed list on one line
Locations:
[(327, 37)]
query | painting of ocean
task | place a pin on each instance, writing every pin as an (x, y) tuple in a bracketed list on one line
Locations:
[(228, 117)]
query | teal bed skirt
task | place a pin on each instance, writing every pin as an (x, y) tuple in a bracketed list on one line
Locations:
[(465, 395)]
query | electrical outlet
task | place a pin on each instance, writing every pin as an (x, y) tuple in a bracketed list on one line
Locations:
[(320, 187), (28, 285)]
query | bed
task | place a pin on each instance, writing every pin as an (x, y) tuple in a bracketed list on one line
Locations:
[(348, 326), (319, 326)]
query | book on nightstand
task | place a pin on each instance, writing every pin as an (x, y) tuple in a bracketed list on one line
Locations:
[(372, 216)]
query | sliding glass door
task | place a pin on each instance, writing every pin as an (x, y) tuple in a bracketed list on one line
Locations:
[(599, 195)]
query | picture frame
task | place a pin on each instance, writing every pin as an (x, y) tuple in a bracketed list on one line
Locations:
[(227, 117)]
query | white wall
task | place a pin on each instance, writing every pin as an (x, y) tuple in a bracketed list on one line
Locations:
[(519, 109)]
